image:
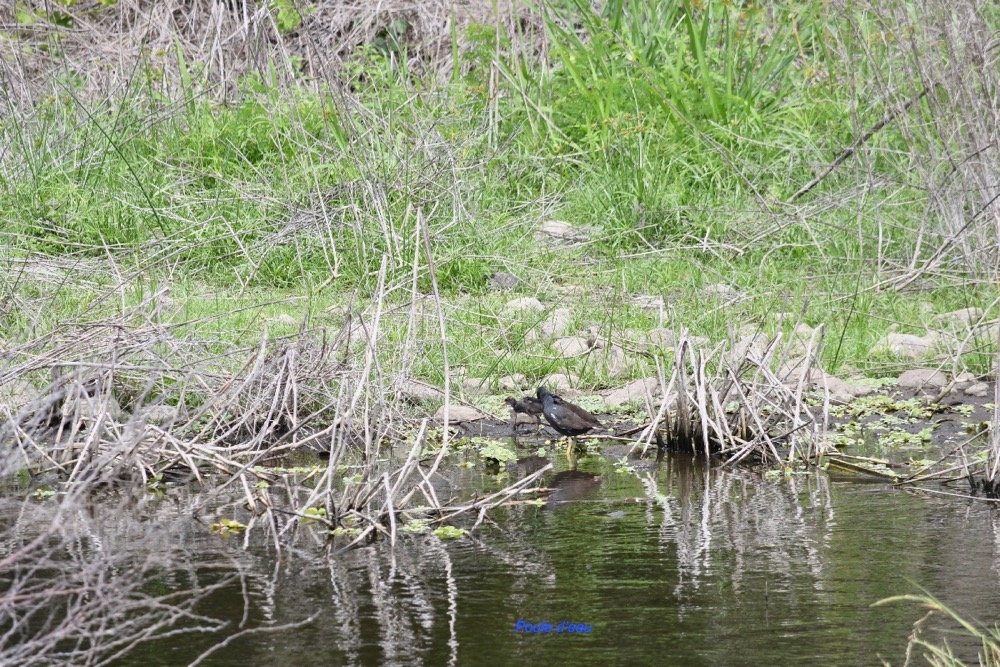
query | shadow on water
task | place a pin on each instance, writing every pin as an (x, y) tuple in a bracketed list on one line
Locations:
[(673, 563)]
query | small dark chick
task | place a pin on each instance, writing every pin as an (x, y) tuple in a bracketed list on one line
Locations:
[(566, 418), (529, 405)]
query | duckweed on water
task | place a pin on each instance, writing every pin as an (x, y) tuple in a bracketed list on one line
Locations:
[(227, 527), (493, 450), (416, 526), (313, 514), (450, 533), (900, 438)]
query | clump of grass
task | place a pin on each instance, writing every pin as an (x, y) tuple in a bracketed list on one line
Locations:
[(939, 653)]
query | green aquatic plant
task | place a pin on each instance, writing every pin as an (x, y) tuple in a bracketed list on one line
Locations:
[(227, 527), (622, 467), (450, 533), (43, 493), (494, 450), (313, 514), (900, 438), (155, 484), (865, 406), (964, 409), (345, 531), (847, 434), (416, 526)]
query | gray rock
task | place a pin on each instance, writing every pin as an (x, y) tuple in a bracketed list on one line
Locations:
[(803, 330), (840, 391), (524, 304), (559, 383), (475, 386), (417, 392), (633, 391), (521, 418), (562, 231), (571, 346), (722, 289), (512, 382), (792, 371), (801, 337), (647, 302), (557, 323), (93, 408), (923, 378), (159, 415), (284, 319), (858, 390), (754, 345), (504, 282), (980, 389), (989, 330), (963, 381), (661, 337), (906, 345), (964, 317), (817, 380), (459, 413)]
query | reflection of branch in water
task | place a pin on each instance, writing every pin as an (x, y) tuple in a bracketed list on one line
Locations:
[(66, 583), (706, 507), (400, 585)]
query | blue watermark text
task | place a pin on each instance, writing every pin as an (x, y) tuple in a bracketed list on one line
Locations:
[(563, 627)]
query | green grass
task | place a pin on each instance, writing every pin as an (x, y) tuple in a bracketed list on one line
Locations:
[(675, 134)]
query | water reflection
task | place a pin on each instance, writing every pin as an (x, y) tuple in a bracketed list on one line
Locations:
[(675, 563)]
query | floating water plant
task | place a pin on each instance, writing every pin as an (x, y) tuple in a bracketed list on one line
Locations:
[(450, 533)]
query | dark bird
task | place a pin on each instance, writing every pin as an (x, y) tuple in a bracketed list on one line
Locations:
[(529, 405), (565, 417)]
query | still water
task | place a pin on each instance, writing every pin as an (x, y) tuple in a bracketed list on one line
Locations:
[(673, 563)]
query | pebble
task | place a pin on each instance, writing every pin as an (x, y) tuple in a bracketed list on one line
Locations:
[(923, 378)]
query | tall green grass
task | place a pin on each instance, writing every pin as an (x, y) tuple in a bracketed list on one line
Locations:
[(673, 133)]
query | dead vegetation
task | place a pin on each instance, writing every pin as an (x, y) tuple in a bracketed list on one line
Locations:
[(755, 404), (138, 399), (107, 45)]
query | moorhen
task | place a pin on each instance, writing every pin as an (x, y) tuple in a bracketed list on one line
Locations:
[(529, 405), (568, 419)]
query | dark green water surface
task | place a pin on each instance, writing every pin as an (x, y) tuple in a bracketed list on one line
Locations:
[(669, 564)]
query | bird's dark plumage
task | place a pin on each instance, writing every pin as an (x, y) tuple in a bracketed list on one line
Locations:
[(529, 405), (565, 417)]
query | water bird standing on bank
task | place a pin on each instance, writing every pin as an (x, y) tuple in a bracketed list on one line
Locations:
[(529, 405), (568, 419)]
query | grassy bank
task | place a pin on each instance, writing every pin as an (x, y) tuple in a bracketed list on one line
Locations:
[(678, 139), (820, 164)]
